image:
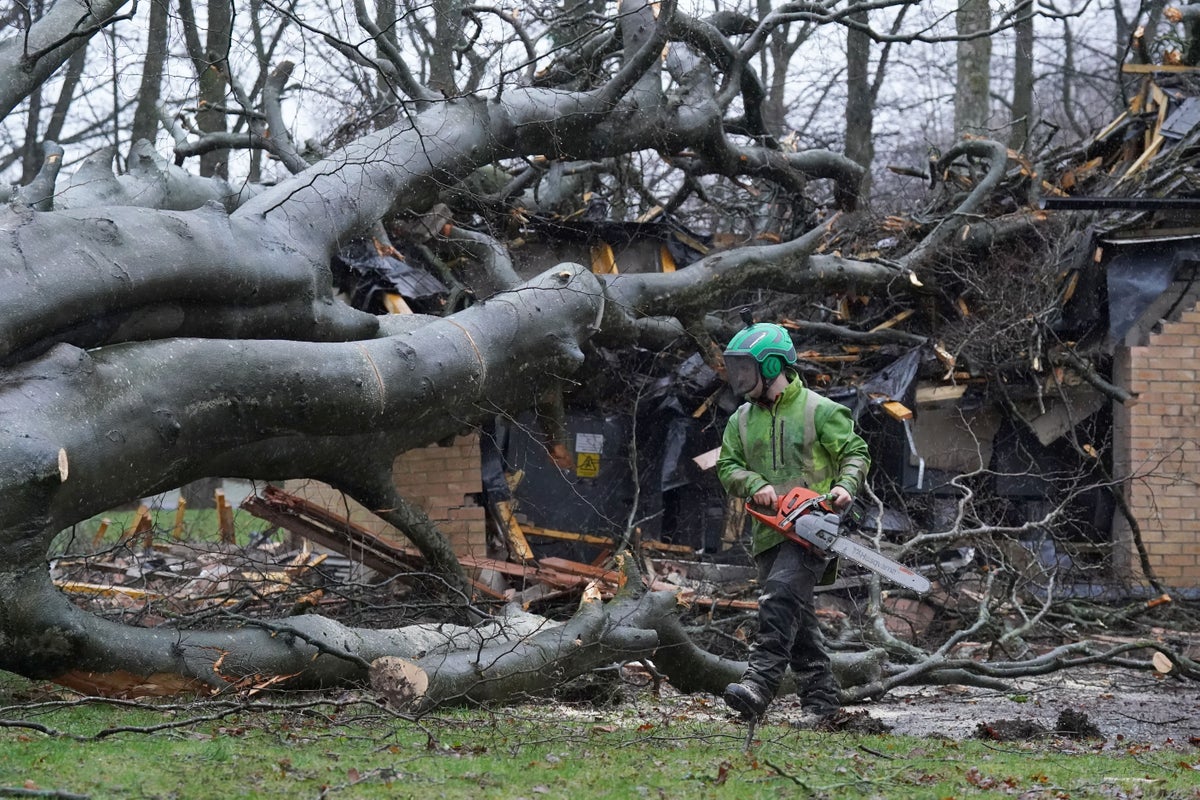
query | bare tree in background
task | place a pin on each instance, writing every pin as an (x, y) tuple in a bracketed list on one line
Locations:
[(972, 95)]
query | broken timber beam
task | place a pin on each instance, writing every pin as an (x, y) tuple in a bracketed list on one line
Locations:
[(349, 539), (586, 538)]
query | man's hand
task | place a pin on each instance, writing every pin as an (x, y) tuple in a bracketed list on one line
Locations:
[(841, 498), (766, 497)]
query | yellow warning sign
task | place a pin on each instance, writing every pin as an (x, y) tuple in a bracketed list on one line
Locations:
[(587, 465)]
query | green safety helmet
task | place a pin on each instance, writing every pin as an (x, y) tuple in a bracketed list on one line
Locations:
[(761, 349)]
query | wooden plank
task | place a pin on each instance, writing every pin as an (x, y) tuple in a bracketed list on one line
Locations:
[(1104, 134), (100, 531), (395, 304), (708, 401), (666, 261), (503, 567), (694, 244), (512, 531), (532, 530), (106, 590), (224, 517), (604, 262), (348, 540), (483, 590), (897, 410), (177, 529), (896, 320), (142, 522), (653, 212), (356, 542), (1150, 152), (1069, 288), (944, 355), (577, 568), (563, 580), (1149, 69)]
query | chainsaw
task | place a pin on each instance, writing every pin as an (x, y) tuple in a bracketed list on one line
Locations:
[(808, 518)]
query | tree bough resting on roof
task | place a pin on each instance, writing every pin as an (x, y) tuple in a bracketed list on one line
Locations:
[(143, 348)]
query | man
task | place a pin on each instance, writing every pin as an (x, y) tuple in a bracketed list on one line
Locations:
[(785, 436)]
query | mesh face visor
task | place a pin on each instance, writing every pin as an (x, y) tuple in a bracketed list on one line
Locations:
[(742, 372)]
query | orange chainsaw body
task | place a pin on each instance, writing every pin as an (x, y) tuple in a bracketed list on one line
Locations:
[(793, 505)]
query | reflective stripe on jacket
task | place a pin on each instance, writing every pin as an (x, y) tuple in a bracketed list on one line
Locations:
[(803, 439)]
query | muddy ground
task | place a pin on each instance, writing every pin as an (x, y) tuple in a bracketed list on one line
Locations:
[(1118, 706), (1099, 707)]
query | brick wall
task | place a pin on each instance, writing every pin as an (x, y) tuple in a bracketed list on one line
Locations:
[(1155, 441), (437, 479)]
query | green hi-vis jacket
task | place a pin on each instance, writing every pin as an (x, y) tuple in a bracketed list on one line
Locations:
[(802, 440)]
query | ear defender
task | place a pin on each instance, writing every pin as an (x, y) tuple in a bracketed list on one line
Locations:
[(771, 367)]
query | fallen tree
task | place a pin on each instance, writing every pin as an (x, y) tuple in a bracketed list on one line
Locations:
[(143, 348)]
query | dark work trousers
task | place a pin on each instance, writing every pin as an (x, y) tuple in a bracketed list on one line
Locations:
[(788, 634)]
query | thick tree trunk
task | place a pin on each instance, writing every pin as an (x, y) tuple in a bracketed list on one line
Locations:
[(271, 409)]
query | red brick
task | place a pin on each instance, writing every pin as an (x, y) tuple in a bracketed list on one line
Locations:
[(1147, 374)]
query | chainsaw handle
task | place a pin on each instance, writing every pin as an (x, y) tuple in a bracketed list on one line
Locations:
[(826, 504), (794, 504)]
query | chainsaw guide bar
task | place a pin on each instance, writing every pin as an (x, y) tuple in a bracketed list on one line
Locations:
[(808, 518)]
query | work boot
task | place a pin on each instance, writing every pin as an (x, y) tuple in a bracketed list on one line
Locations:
[(747, 700)]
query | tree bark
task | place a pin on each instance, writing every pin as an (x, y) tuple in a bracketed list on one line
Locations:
[(214, 84), (860, 102), (239, 409), (1022, 103), (973, 82), (145, 115)]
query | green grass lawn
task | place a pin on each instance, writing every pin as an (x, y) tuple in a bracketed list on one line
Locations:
[(344, 746), (199, 525)]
